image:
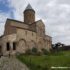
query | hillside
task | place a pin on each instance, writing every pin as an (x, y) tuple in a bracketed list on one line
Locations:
[(45, 62)]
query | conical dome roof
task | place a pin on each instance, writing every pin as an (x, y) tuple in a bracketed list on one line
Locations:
[(29, 7)]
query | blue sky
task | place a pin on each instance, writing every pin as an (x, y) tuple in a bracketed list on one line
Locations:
[(54, 13), (5, 8)]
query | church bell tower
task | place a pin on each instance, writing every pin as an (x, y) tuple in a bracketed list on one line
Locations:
[(29, 15)]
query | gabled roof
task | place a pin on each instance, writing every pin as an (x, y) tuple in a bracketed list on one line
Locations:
[(18, 24), (40, 22), (14, 20)]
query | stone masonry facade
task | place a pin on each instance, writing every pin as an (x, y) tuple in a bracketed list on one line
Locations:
[(20, 36)]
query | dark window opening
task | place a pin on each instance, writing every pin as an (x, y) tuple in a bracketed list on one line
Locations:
[(0, 48), (14, 46), (8, 46)]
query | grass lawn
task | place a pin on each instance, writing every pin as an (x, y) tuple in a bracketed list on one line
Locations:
[(45, 62)]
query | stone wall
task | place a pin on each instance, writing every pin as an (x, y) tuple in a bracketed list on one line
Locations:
[(11, 25), (9, 29), (26, 37), (29, 16), (48, 42), (8, 39), (40, 28)]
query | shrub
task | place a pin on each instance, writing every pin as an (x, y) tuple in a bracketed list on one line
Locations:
[(34, 50), (39, 53), (45, 52)]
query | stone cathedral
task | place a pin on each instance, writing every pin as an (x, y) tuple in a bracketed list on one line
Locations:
[(19, 36)]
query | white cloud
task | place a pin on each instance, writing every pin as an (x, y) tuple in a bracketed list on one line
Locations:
[(3, 18), (18, 6), (55, 14)]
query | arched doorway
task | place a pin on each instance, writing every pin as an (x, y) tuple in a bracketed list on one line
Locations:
[(22, 45)]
